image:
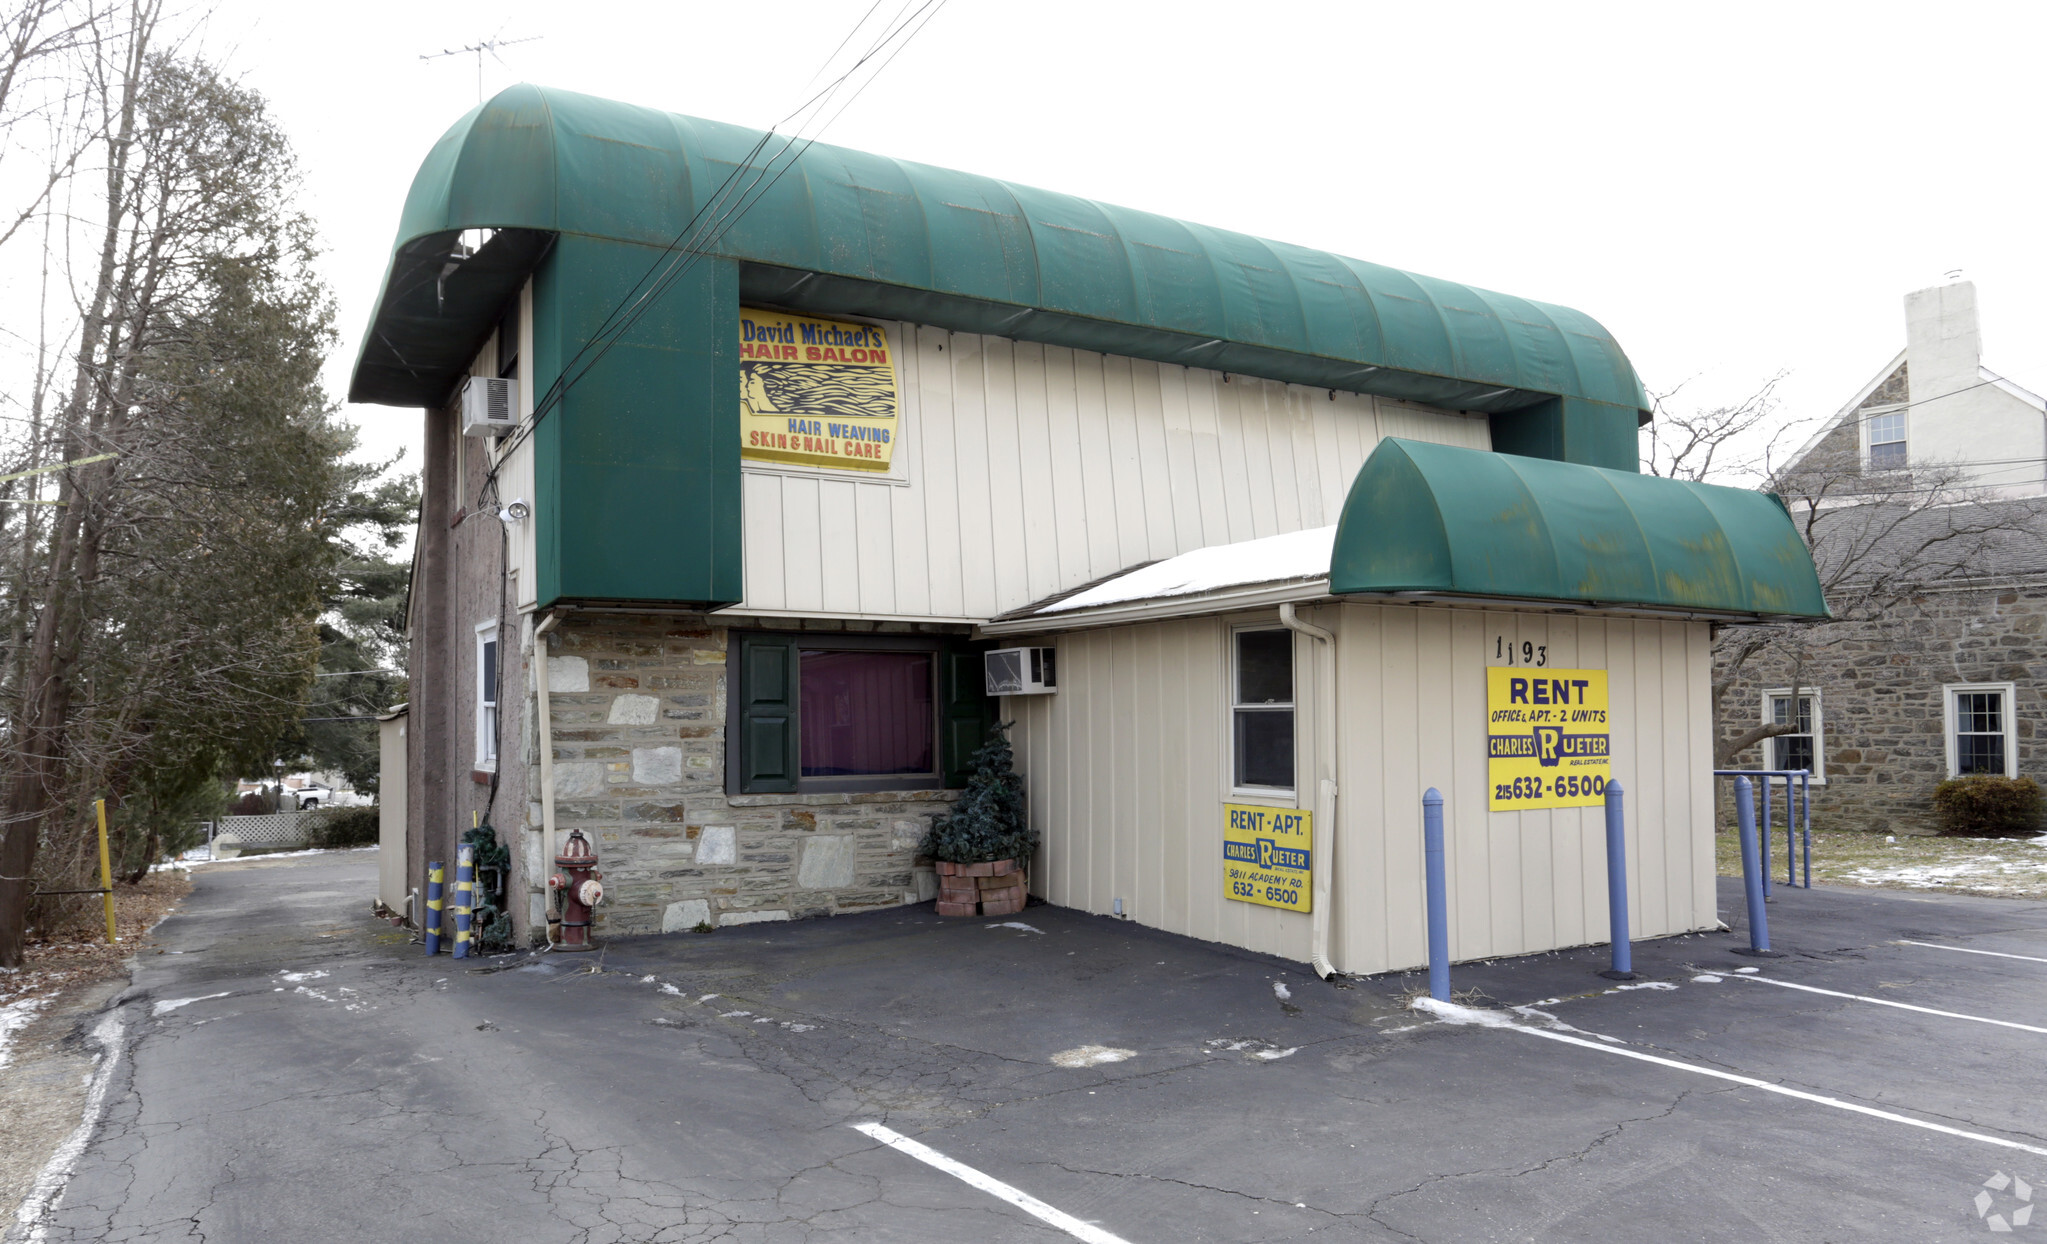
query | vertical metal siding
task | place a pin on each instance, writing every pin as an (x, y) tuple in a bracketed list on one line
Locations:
[(1127, 768), (1031, 469)]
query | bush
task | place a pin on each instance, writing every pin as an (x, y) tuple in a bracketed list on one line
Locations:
[(344, 827), (252, 804), (1987, 807), (987, 822)]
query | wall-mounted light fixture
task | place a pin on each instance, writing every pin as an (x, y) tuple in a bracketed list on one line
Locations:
[(515, 512)]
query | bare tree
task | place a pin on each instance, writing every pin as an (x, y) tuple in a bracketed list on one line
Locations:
[(1878, 538), (169, 606)]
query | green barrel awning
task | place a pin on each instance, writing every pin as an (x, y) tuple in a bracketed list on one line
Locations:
[(1434, 519), (829, 230)]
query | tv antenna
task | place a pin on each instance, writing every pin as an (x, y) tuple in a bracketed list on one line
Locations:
[(490, 45)]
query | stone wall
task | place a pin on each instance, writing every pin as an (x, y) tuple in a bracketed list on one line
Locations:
[(638, 707), (1881, 701)]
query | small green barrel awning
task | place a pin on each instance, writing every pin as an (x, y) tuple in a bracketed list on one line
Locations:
[(1434, 519)]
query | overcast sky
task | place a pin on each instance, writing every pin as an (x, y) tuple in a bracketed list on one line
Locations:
[(1732, 189)]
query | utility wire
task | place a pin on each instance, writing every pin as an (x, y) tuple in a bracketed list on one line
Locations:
[(697, 236)]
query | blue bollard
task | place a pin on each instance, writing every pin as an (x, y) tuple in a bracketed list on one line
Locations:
[(1623, 968), (465, 887), (1439, 896), (435, 875), (1751, 869), (1763, 836)]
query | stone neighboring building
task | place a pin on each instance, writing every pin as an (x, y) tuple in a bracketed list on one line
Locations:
[(1948, 680)]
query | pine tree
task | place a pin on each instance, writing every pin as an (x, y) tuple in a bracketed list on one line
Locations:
[(987, 822)]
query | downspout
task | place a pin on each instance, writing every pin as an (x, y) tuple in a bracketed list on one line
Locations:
[(544, 721), (1325, 785)]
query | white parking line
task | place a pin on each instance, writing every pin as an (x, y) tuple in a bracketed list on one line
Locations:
[(1903, 1006), (1493, 1019), (1996, 954), (994, 1187)]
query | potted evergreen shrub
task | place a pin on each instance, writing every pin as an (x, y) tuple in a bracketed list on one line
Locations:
[(984, 844)]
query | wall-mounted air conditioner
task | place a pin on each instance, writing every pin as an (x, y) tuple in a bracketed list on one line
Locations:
[(490, 406), (1022, 671)]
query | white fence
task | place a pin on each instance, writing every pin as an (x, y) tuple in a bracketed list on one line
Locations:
[(275, 830)]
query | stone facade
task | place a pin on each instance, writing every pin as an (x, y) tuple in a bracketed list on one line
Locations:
[(1881, 700), (638, 709)]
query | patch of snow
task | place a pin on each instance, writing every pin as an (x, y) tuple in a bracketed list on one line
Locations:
[(34, 1215), (1456, 1013), (670, 989), (1017, 924), (1269, 1055), (165, 1008), (795, 1027), (1091, 1056), (647, 980), (707, 997), (14, 1017), (267, 855), (1748, 971), (1706, 978), (1280, 991), (734, 1014), (1643, 985), (294, 977), (1273, 559)]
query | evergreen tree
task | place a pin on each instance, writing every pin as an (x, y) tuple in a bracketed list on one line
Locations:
[(987, 822)]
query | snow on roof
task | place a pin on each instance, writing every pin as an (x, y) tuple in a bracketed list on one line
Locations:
[(1296, 555)]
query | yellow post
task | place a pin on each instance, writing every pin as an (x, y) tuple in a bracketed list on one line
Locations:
[(106, 870)]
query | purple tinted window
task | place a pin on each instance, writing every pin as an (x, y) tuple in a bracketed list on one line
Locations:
[(866, 713)]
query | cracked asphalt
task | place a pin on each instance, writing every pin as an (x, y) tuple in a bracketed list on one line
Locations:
[(294, 1071)]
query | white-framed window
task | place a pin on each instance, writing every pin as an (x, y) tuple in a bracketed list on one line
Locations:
[(1803, 748), (1262, 710), (486, 695), (1884, 435), (1982, 736)]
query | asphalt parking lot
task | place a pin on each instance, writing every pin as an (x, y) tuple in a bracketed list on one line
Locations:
[(293, 1070)]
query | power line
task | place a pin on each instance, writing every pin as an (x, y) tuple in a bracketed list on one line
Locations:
[(693, 241)]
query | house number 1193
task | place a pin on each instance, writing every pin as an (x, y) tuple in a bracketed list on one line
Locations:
[(1530, 653)]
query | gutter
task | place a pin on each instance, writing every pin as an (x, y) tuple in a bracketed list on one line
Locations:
[(1325, 785), (1154, 608), (545, 723)]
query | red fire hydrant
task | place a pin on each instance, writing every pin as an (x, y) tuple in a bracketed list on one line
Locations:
[(576, 889)]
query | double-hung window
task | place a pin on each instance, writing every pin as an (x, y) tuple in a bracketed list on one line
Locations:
[(819, 712), (1262, 710), (487, 695), (1886, 441), (1981, 735), (1804, 747)]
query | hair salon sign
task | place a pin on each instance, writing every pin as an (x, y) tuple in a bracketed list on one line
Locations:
[(815, 392)]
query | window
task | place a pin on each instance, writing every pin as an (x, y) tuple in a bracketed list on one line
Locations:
[(487, 695), (508, 341), (1981, 736), (1887, 441), (1262, 711), (852, 712), (1803, 748), (865, 714)]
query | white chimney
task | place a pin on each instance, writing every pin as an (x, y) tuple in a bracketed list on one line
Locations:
[(1943, 346)]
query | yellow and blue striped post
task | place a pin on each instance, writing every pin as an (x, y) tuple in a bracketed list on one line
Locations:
[(465, 890), (436, 872)]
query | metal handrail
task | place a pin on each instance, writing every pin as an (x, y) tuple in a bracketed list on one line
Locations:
[(1797, 816)]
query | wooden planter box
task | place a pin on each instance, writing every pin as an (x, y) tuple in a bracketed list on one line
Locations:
[(991, 889)]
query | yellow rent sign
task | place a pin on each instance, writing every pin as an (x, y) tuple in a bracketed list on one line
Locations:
[(1546, 738), (1266, 856)]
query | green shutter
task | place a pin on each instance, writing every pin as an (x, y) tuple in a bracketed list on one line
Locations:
[(966, 710), (767, 743)]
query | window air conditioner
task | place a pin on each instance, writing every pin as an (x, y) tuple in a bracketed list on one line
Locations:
[(1022, 671), (489, 406)]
